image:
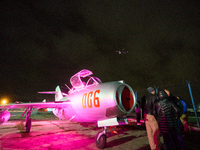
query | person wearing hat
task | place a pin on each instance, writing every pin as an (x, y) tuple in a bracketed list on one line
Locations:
[(151, 124)]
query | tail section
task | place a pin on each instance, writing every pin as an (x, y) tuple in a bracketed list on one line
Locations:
[(58, 94)]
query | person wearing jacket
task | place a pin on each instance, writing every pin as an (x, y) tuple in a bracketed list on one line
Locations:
[(138, 113), (150, 121), (178, 103), (184, 117), (166, 113)]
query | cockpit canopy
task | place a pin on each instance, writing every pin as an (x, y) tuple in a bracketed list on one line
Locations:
[(80, 80)]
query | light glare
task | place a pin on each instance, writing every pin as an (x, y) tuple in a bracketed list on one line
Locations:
[(4, 101)]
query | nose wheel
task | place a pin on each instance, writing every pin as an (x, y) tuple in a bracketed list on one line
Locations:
[(101, 138)]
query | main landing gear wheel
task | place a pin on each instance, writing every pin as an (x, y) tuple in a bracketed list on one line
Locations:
[(28, 125), (100, 140)]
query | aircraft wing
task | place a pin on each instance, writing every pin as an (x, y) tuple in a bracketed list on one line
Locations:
[(59, 104)]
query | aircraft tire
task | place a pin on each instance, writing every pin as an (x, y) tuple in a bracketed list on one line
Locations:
[(28, 126), (101, 143)]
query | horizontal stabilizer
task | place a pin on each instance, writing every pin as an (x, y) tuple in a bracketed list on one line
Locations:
[(49, 92), (58, 93)]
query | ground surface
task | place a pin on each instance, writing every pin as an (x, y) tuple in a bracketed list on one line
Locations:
[(48, 133)]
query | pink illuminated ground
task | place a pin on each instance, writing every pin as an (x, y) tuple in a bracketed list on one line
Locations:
[(63, 135), (67, 135)]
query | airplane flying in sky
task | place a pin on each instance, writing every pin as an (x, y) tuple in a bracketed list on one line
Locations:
[(89, 100), (121, 52)]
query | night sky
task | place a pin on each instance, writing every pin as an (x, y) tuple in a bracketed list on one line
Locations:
[(43, 43)]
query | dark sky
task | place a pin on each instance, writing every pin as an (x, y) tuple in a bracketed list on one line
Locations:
[(43, 43)]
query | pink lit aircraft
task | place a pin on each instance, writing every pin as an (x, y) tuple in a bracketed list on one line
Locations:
[(89, 100)]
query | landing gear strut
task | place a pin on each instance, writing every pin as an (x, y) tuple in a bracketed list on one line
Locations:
[(28, 120), (101, 138), (28, 125)]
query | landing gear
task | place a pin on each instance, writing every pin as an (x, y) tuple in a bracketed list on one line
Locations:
[(101, 138), (28, 120), (28, 125)]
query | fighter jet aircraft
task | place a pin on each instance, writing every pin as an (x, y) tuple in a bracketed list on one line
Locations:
[(89, 100)]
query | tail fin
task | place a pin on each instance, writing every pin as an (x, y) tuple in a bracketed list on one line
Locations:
[(58, 95), (57, 92)]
